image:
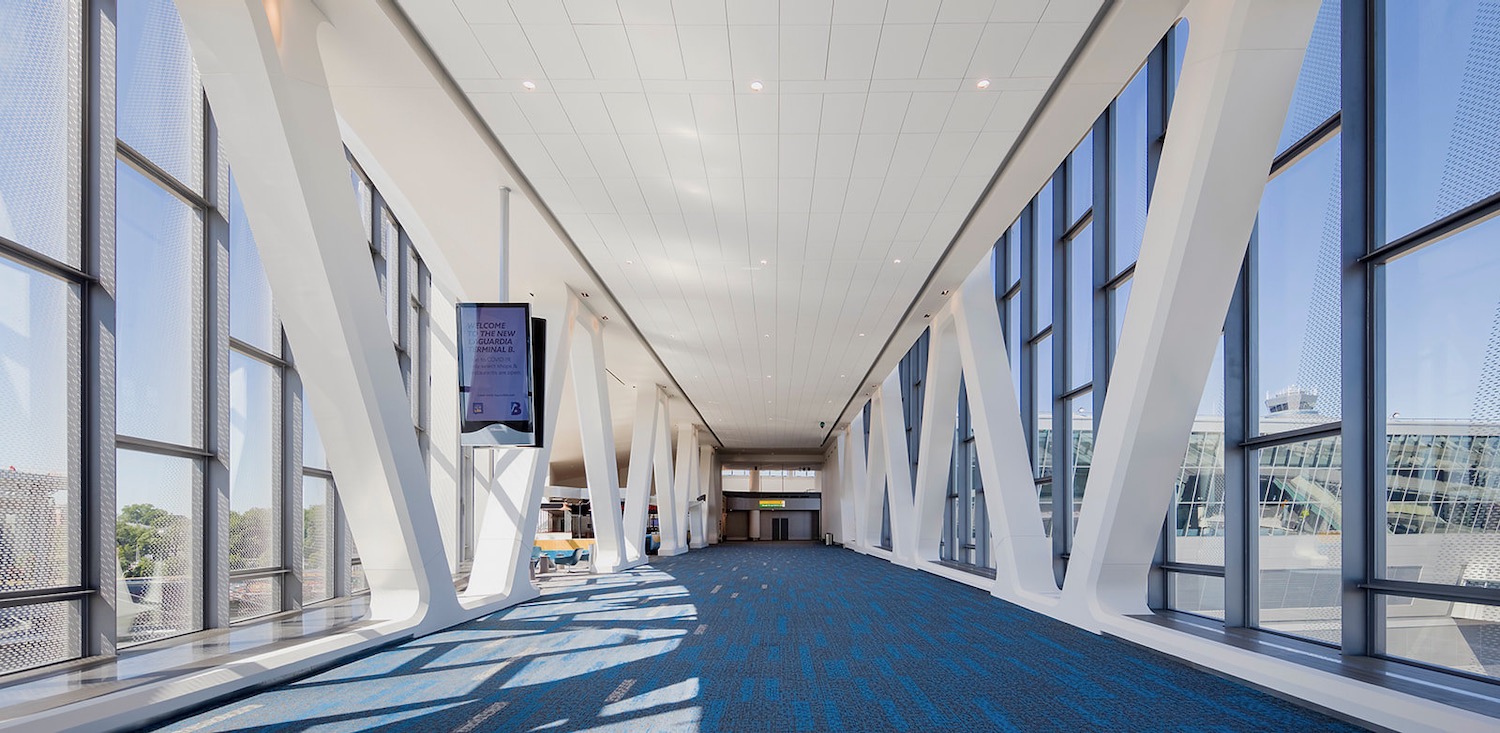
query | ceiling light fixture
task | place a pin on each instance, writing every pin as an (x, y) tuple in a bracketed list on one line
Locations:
[(983, 84), (756, 86), (897, 260), (529, 86), (762, 262), (632, 262), (861, 335)]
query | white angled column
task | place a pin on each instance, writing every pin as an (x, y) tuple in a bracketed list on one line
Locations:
[(638, 476), (897, 469), (668, 518), (856, 483), (1018, 540), (513, 494), (873, 496), (701, 519), (687, 454), (939, 420), (1241, 65), (591, 389), (269, 90)]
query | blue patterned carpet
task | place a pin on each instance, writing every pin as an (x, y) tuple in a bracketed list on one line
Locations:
[(764, 637)]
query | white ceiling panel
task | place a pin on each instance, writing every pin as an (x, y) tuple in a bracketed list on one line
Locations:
[(718, 214)]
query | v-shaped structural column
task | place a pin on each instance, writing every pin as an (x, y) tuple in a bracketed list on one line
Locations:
[(269, 91), (513, 494), (667, 516), (598, 433), (1239, 71), (648, 408), (683, 479), (939, 420), (856, 484)]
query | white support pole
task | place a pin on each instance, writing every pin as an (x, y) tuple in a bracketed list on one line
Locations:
[(856, 483), (1237, 79), (876, 486), (687, 452), (1018, 541), (667, 516), (701, 535), (638, 475), (897, 469), (591, 388), (504, 243), (272, 103), (513, 495), (939, 418)]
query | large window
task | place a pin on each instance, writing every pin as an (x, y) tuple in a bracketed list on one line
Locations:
[(136, 321)]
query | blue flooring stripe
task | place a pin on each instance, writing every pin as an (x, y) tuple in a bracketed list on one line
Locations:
[(836, 641)]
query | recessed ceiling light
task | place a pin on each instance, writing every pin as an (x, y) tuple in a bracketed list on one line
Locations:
[(630, 262), (756, 86), (768, 376), (529, 86), (762, 262), (768, 335), (603, 318), (841, 376), (861, 335), (897, 260), (983, 84)]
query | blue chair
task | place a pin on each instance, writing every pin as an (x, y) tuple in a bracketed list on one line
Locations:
[(570, 559)]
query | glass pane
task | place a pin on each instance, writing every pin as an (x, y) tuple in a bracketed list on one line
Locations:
[(1013, 341), (1042, 249), (1044, 501), (39, 429), (1299, 538), (157, 103), (1081, 409), (1081, 308), (1438, 111), (43, 633), (391, 281), (252, 318), (312, 441), (1081, 179), (1119, 300), (356, 569), (1442, 377), (38, 123), (317, 531), (1017, 240), (1461, 636), (157, 532), (366, 206), (1199, 594), (1296, 294), (158, 350), (1177, 46), (1041, 456), (254, 597), (254, 501), (1316, 96), (1129, 150), (1198, 509)]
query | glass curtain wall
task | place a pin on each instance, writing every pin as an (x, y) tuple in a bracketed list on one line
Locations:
[(149, 386)]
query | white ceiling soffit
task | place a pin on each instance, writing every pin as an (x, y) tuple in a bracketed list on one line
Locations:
[(766, 243)]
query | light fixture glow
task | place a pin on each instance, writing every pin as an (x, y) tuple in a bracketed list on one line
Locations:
[(529, 86), (897, 260), (762, 262), (983, 84), (861, 335), (756, 86), (630, 262)]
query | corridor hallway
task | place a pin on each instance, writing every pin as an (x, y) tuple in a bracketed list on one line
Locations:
[(760, 637)]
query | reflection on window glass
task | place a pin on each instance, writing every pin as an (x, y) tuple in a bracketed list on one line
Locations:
[(1442, 378), (1439, 110), (1081, 308), (252, 316), (1041, 456), (1197, 535), (157, 96), (1013, 341), (1042, 251), (1299, 542), (1119, 300), (1296, 294), (1129, 184), (157, 531), (1015, 241), (317, 539), (158, 345), (313, 455), (1081, 179), (1081, 453), (1198, 594), (37, 125), (39, 368), (1316, 97), (253, 496), (1457, 636)]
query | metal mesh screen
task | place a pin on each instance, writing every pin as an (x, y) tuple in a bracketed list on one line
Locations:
[(317, 529), (31, 636), (156, 543), (158, 105), (254, 501), (254, 597), (252, 315), (38, 124)]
